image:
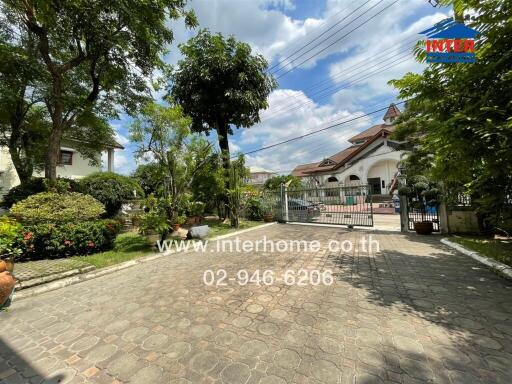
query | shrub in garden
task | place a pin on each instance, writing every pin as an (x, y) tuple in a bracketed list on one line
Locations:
[(47, 240), (254, 209), (11, 237), (195, 208), (50, 207), (110, 189), (36, 185)]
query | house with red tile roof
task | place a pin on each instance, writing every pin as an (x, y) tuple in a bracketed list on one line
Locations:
[(372, 158)]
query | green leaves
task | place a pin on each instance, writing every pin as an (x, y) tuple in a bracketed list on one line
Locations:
[(49, 207), (220, 81), (459, 116)]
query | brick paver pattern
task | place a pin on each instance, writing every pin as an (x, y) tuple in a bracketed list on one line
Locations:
[(415, 312)]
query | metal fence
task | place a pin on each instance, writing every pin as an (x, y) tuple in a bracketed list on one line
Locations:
[(331, 205)]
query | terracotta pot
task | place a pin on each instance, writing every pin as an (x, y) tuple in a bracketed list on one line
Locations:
[(268, 218), (153, 238), (193, 220), (424, 228), (7, 283), (6, 263)]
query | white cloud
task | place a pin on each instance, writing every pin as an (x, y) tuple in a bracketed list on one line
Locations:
[(302, 121), (122, 163), (269, 31)]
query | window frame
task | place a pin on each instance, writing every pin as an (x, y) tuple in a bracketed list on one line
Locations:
[(70, 153)]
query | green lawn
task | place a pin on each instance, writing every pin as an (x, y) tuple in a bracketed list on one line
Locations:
[(219, 229), (500, 250), (131, 245), (127, 246)]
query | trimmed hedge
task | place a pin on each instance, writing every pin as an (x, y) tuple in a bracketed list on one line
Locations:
[(33, 186), (50, 207), (69, 239), (110, 189)]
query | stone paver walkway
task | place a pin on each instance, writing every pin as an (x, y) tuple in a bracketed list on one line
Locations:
[(415, 312), (39, 268)]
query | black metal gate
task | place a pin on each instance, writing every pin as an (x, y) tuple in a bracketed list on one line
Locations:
[(421, 212), (329, 205)]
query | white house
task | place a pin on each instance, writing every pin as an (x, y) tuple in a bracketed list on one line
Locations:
[(372, 159), (258, 176), (71, 164)]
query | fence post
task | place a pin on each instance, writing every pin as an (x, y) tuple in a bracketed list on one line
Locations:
[(284, 188), (443, 218), (404, 214)]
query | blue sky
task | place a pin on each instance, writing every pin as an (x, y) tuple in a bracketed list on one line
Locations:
[(354, 71)]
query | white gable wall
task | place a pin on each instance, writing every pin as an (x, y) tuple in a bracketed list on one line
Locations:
[(381, 163)]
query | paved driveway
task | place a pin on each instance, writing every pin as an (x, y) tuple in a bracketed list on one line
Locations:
[(412, 313)]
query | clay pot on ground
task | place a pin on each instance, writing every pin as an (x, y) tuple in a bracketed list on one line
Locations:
[(7, 283), (268, 218), (424, 227), (191, 220)]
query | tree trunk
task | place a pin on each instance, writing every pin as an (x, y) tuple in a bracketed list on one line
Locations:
[(53, 153), (16, 143), (24, 167), (222, 133), (58, 127)]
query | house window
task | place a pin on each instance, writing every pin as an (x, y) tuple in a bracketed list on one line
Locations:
[(66, 158), (383, 184), (353, 177), (332, 179)]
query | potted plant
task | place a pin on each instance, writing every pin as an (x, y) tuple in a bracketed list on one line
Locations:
[(152, 224), (195, 212), (177, 222), (268, 215), (135, 220)]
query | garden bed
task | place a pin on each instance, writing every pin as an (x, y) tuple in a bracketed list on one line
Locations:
[(127, 246)]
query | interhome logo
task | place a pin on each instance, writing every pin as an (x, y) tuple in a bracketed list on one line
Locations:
[(450, 42)]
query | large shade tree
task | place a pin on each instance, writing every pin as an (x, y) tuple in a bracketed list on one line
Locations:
[(221, 84), (95, 55), (459, 116), (23, 120)]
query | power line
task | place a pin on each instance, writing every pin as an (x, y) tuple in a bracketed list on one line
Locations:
[(386, 52), (292, 107), (315, 145), (348, 70), (320, 130), (341, 38), (281, 61), (296, 43), (325, 40)]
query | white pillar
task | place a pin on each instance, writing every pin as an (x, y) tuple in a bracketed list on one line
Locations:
[(110, 161), (284, 200)]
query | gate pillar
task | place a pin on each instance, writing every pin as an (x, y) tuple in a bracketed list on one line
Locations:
[(404, 214)]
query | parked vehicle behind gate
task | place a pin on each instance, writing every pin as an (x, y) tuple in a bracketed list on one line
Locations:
[(299, 210)]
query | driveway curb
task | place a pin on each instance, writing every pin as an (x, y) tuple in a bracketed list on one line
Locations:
[(61, 283), (503, 269)]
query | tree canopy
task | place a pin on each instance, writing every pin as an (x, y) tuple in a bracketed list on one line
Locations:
[(459, 116), (95, 55), (220, 83), (274, 183)]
